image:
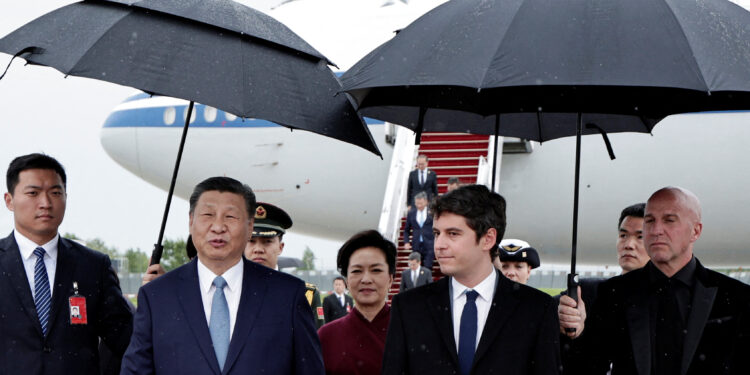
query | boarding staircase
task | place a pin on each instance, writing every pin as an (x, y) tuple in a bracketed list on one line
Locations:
[(450, 155)]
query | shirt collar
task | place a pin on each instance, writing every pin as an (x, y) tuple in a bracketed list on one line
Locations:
[(486, 288), (27, 246), (685, 274), (233, 276)]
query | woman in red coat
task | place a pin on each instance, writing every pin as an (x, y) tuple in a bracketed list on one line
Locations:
[(353, 345)]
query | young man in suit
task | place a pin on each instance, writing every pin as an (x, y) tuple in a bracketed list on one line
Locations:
[(58, 297), (337, 304), (418, 234), (475, 321), (221, 313), (421, 180), (673, 316), (415, 275)]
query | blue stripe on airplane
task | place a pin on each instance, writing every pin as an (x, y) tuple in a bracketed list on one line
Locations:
[(153, 117)]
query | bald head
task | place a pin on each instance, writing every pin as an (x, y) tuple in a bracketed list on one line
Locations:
[(672, 223), (685, 198)]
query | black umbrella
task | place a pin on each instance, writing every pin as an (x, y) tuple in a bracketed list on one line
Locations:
[(544, 69), (215, 52)]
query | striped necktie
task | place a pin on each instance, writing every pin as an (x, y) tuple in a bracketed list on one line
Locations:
[(42, 295)]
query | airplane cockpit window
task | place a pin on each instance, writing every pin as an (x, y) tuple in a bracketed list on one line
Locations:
[(169, 115), (229, 116), (209, 114)]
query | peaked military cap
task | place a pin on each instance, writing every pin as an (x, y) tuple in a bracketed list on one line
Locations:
[(513, 250), (270, 221)]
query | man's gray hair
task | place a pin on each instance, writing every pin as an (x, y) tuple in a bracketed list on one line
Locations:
[(415, 256), (421, 195)]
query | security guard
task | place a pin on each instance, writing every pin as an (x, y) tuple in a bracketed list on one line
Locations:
[(515, 259), (266, 244)]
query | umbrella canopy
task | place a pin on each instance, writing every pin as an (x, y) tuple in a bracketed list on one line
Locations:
[(215, 52), (541, 69), (247, 63), (623, 65)]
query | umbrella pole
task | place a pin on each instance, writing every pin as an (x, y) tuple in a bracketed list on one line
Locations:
[(494, 154), (572, 276), (158, 248)]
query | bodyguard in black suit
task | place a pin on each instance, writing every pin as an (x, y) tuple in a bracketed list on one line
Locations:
[(42, 329), (333, 308), (475, 321), (414, 275), (421, 180), (673, 316), (418, 234)]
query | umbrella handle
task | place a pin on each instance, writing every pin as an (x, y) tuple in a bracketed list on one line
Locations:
[(572, 292)]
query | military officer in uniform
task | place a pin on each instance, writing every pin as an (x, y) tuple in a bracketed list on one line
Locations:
[(266, 244), (515, 259)]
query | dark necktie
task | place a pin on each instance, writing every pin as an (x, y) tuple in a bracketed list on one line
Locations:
[(218, 324), (42, 295), (467, 333)]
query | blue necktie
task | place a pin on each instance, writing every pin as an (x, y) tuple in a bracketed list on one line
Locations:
[(219, 322), (467, 333), (42, 295)]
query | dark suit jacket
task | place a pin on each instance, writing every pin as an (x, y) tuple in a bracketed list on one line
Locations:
[(572, 351), (274, 331), (414, 187), (412, 230), (424, 278), (519, 337), (718, 327), (67, 349), (332, 308)]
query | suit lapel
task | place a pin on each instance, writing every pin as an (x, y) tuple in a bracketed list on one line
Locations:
[(63, 285), (189, 295), (254, 286), (439, 305), (703, 301), (12, 266), (638, 317), (504, 304)]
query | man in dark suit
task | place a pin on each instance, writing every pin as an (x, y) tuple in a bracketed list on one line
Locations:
[(58, 297), (475, 321), (185, 319), (421, 180), (337, 304), (418, 234), (415, 275), (672, 316), (631, 255)]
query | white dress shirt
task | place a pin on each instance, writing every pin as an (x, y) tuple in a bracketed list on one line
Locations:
[(232, 291), (486, 290), (26, 247)]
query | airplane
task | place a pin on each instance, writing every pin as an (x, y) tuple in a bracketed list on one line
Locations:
[(333, 189)]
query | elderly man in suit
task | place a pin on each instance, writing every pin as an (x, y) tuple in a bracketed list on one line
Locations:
[(672, 316), (421, 180), (58, 297), (418, 234), (475, 321), (221, 313), (415, 275)]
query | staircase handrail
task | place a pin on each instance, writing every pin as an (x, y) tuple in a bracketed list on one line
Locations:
[(394, 200), (484, 172)]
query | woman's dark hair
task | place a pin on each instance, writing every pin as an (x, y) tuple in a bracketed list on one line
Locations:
[(368, 238)]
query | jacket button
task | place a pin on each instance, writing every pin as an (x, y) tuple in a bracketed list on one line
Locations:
[(47, 349)]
